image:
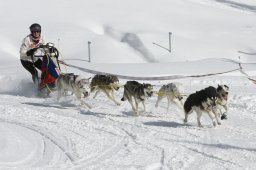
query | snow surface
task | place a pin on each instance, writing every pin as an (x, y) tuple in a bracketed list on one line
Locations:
[(41, 133)]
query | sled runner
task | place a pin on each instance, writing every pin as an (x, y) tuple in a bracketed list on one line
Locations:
[(50, 67)]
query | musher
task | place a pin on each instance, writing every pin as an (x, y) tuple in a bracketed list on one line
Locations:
[(27, 49)]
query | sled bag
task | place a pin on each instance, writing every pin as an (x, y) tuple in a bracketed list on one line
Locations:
[(49, 71)]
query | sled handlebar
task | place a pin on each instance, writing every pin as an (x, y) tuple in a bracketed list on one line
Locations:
[(38, 56), (48, 45), (47, 49)]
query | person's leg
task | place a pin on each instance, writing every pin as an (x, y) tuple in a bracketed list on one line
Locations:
[(38, 64), (28, 65)]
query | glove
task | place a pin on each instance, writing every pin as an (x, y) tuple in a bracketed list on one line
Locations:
[(41, 46), (30, 52)]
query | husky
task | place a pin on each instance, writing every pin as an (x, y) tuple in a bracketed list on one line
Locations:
[(173, 93), (76, 84), (204, 100), (138, 91), (107, 84), (222, 102)]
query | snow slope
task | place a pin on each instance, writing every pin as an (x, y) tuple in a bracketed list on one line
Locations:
[(41, 133)]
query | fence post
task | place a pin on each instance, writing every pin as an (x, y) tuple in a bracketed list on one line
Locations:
[(58, 43), (89, 51), (170, 47)]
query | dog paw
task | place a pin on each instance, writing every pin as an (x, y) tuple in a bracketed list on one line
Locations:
[(137, 113), (214, 124), (185, 119), (200, 125), (118, 104), (224, 116)]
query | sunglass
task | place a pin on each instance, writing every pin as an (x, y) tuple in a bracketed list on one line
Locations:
[(36, 32)]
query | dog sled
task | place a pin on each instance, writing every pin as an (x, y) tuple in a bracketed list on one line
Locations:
[(50, 69)]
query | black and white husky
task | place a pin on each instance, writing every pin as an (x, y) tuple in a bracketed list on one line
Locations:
[(107, 84), (138, 91), (74, 83), (204, 100), (222, 102), (173, 92)]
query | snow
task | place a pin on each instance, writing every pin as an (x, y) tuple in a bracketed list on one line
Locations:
[(42, 133)]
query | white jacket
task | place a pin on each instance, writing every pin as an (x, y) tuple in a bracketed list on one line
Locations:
[(28, 44)]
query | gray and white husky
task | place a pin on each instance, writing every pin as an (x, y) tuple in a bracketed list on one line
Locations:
[(74, 83), (173, 92), (138, 91), (222, 102), (108, 84)]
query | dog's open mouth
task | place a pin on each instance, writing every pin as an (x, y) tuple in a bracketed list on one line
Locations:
[(86, 94), (149, 94)]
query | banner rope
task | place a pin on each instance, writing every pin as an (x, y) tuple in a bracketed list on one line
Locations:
[(148, 78), (246, 75)]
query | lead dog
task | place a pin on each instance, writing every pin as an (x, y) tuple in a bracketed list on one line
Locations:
[(107, 84), (138, 91), (222, 102), (202, 101), (75, 84), (173, 93)]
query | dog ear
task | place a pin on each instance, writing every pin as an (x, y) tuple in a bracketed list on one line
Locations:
[(226, 87)]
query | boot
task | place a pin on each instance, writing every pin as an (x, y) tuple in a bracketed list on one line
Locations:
[(35, 79)]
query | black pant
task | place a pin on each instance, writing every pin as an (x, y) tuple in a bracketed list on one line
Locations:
[(28, 65)]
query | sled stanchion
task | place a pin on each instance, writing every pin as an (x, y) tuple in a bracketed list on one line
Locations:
[(89, 51), (49, 69)]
